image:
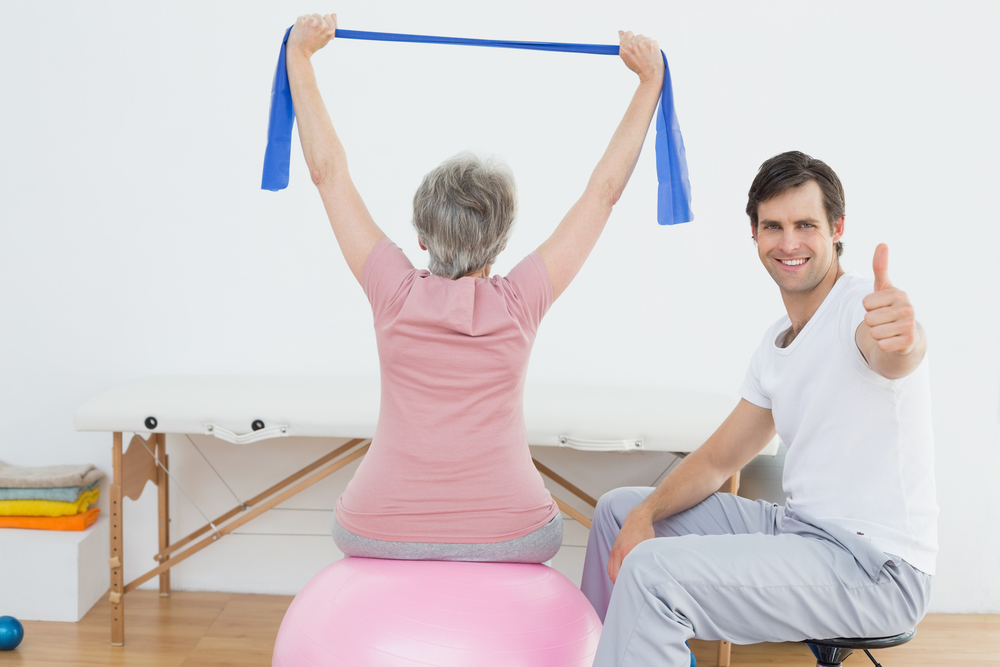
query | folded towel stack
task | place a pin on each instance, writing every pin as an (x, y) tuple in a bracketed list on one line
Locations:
[(48, 497)]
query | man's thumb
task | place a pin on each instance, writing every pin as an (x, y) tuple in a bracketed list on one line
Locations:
[(880, 264)]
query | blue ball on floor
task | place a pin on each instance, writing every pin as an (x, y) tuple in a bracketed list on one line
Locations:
[(11, 633)]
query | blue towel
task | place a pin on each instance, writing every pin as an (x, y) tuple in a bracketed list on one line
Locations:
[(674, 193), (63, 494)]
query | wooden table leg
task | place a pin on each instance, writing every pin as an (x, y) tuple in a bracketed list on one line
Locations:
[(163, 489), (724, 649), (734, 483), (221, 531), (116, 561)]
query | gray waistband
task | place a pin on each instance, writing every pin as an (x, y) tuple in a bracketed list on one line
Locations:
[(537, 546)]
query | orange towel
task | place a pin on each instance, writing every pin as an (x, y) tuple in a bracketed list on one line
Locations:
[(75, 522)]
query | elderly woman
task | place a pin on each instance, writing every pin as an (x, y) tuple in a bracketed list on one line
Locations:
[(449, 475)]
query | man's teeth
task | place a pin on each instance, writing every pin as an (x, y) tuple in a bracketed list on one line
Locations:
[(792, 262)]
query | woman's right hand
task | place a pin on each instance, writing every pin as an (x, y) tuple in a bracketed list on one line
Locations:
[(311, 33), (642, 55)]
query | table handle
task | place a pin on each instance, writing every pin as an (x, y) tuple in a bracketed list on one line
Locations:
[(245, 439), (629, 445)]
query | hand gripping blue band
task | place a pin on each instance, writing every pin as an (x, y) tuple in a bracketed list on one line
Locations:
[(674, 195)]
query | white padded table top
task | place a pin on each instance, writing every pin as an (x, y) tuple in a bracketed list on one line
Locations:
[(600, 419)]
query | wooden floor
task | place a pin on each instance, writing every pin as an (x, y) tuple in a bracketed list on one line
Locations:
[(220, 629)]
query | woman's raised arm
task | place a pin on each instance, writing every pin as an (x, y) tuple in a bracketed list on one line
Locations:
[(570, 244), (352, 224)]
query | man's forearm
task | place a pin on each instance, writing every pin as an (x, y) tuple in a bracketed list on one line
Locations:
[(896, 365), (690, 483), (685, 487), (737, 440)]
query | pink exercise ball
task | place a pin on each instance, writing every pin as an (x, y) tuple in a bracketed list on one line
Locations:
[(367, 612)]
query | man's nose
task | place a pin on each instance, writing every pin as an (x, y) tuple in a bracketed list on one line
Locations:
[(789, 240)]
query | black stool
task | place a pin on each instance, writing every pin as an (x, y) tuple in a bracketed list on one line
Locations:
[(833, 652)]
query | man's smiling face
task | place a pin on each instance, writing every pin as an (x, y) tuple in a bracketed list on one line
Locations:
[(794, 240)]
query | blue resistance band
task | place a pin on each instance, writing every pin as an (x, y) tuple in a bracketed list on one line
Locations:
[(674, 195)]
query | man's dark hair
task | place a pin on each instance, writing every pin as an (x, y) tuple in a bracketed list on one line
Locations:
[(791, 170)]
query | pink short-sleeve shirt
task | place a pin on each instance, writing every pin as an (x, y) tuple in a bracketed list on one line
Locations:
[(450, 460)]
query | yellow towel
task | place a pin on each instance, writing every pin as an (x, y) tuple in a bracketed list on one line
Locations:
[(75, 522), (48, 507)]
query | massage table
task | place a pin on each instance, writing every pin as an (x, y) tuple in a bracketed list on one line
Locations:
[(244, 410)]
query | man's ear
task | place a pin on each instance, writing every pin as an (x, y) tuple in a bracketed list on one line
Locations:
[(838, 229), (753, 232)]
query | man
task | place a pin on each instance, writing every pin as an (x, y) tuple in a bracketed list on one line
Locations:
[(844, 381)]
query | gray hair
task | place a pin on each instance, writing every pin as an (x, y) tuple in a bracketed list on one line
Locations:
[(464, 213)]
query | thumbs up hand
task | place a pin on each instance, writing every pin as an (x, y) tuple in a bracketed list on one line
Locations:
[(880, 264), (890, 318)]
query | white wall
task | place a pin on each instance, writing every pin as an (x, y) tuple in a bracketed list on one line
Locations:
[(135, 239)]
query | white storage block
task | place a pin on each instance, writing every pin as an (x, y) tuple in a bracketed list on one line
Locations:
[(50, 575)]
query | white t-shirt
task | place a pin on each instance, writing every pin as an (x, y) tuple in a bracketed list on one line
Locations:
[(860, 446)]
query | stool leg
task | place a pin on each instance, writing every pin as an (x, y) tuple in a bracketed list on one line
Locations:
[(830, 656), (868, 653)]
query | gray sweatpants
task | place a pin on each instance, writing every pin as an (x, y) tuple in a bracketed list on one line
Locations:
[(744, 571)]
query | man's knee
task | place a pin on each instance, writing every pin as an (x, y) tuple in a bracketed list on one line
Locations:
[(671, 557), (649, 576), (614, 506)]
